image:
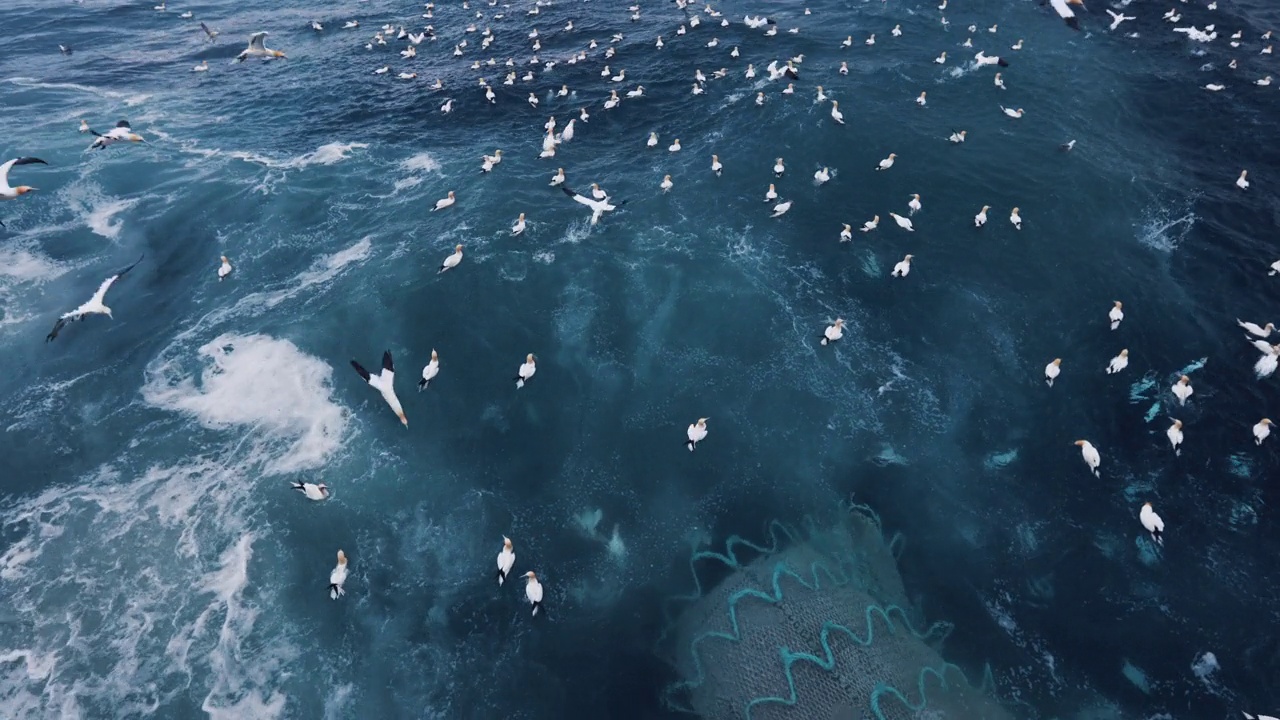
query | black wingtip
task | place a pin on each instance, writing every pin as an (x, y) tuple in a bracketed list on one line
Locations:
[(1002, 62), (422, 385), (360, 369), (567, 191), (386, 361), (1073, 23)]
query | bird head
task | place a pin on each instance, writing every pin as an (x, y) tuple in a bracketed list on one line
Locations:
[(1177, 423), (451, 195), (1014, 211), (839, 322), (506, 542), (135, 137), (223, 258), (457, 248), (1082, 443), (277, 53), (1118, 304), (529, 358), (1057, 361), (702, 422), (1184, 380), (434, 356), (1124, 353), (23, 189), (1266, 421), (908, 257), (107, 311), (893, 155), (1146, 506), (986, 208), (342, 558), (531, 575), (521, 217)]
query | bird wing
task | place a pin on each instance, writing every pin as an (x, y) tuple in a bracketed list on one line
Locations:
[(206, 29), (388, 370), (363, 373), (124, 124), (62, 321), (106, 284), (580, 198), (4, 173), (257, 41)]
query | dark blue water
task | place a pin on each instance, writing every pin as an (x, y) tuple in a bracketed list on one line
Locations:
[(156, 563)]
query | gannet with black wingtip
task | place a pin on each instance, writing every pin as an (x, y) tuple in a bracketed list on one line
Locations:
[(12, 193), (1091, 456), (598, 207), (1118, 363), (224, 269), (313, 491), (451, 261), (871, 224), (834, 331), (1175, 436), (1261, 431), (958, 137), (716, 167), (506, 559), (696, 433), (1052, 370), (902, 268), (258, 48), (674, 147), (1015, 114), (999, 82), (781, 208), (518, 227), (526, 371), (93, 306), (558, 178), (778, 168), (904, 223), (384, 383), (122, 132), (887, 163), (981, 218), (1182, 389), (822, 176), (429, 371), (1063, 8), (1155, 525), (1116, 314), (666, 184), (1015, 219), (444, 202), (533, 591), (487, 162), (338, 577)]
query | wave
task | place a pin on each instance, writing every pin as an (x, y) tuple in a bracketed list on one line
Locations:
[(422, 162), (97, 211), (327, 154)]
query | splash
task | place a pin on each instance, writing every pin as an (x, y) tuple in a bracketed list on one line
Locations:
[(327, 154), (422, 162)]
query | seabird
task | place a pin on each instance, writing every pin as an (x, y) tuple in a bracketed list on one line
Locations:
[(1067, 146), (12, 193), (1242, 182), (834, 332), (445, 202), (846, 233), (451, 261), (904, 223), (202, 67), (675, 146), (1255, 330), (526, 371), (93, 306), (1017, 45), (666, 183), (941, 59), (518, 227), (224, 269), (506, 559), (1015, 219), (822, 176), (716, 167), (1154, 525), (533, 588), (211, 35), (1117, 18), (1063, 8), (999, 82), (1118, 363), (337, 577), (120, 133), (696, 433), (1175, 436), (902, 268), (1183, 390), (778, 168), (835, 112), (772, 194), (981, 218), (1052, 370), (429, 371), (1015, 114), (1261, 431), (384, 383), (1116, 314), (873, 223), (313, 491), (257, 48), (887, 163), (1091, 456), (914, 204), (558, 178), (598, 207), (781, 208)]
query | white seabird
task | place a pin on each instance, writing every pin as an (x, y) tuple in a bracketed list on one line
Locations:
[(904, 223), (1118, 363), (506, 559), (1015, 114), (781, 208), (1015, 219), (258, 48), (451, 261), (666, 183), (12, 193), (429, 371), (822, 176), (958, 137), (1255, 330), (313, 491), (674, 147), (903, 267), (716, 167), (1091, 456), (444, 202), (914, 204), (338, 577), (846, 233), (834, 332), (384, 383), (224, 269), (1242, 182), (558, 178), (1052, 370), (1063, 8), (533, 591), (598, 207), (696, 433), (871, 224), (1182, 389), (120, 133), (981, 218), (778, 168), (1175, 436), (526, 371), (887, 163), (1117, 18), (519, 225), (93, 306), (1116, 314), (1261, 431), (1154, 525)]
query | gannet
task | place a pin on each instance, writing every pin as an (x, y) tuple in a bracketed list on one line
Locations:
[(1154, 525), (210, 35), (920, 100), (697, 432), (1063, 8), (904, 223), (887, 163), (822, 96), (93, 306), (407, 75), (313, 491), (982, 59), (902, 268), (638, 92), (968, 42), (1090, 455), (697, 89), (846, 232), (981, 218), (447, 107), (120, 133), (1275, 268), (490, 96), (1261, 83), (1118, 362), (734, 53), (1254, 329), (1117, 18), (1242, 182), (822, 176), (258, 49), (1017, 45), (526, 371), (445, 202), (351, 24), (506, 559), (429, 371), (598, 207), (759, 98), (835, 112), (844, 68), (871, 224), (914, 204), (451, 261), (409, 53), (613, 100), (1052, 370), (675, 146), (12, 193), (778, 168), (1175, 436), (716, 167), (1116, 314), (1266, 365), (533, 591), (338, 577), (833, 333), (567, 134), (1015, 219), (1215, 87), (224, 269), (781, 208), (622, 75), (202, 67), (558, 178), (487, 162), (666, 183), (1015, 114), (384, 383), (1261, 430), (772, 194), (790, 89), (1182, 389), (871, 40), (382, 70), (941, 59)]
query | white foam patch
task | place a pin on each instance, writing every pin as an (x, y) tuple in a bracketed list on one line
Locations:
[(422, 162), (97, 211), (1164, 229), (259, 383), (327, 154)]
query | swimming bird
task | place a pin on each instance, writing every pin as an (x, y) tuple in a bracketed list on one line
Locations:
[(445, 202), (920, 100), (84, 126), (451, 261), (338, 577), (533, 591), (887, 163), (846, 233), (904, 223), (1015, 114), (1242, 182), (12, 193), (1275, 268), (1261, 431), (1175, 436), (558, 178), (202, 67), (871, 40), (122, 132), (1182, 389), (675, 146), (896, 31), (981, 218), (716, 167), (1017, 45), (759, 98), (772, 194), (999, 82), (903, 267), (666, 183), (1266, 365), (313, 491), (257, 48), (224, 269), (429, 371), (598, 207), (871, 224), (958, 137), (1063, 8), (844, 68), (1091, 456), (1155, 525), (781, 208), (506, 559), (1052, 370), (696, 433), (941, 59), (1117, 18), (384, 383), (526, 371), (1016, 219), (982, 59), (1116, 314), (1255, 330), (914, 205), (834, 332), (518, 227), (487, 162), (822, 176), (1067, 146), (1215, 87), (1118, 362), (447, 107), (1264, 82), (822, 97), (778, 168), (94, 305), (210, 35)]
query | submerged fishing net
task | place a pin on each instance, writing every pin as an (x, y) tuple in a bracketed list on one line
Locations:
[(814, 625)]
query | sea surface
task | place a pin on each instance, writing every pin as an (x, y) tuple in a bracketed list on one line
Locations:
[(155, 562)]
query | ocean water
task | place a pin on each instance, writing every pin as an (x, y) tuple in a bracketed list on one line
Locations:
[(154, 561)]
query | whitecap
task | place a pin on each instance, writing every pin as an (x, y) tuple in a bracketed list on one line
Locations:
[(97, 211), (422, 162), (327, 154), (406, 183)]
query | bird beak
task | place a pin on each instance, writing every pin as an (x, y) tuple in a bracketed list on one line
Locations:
[(404, 420)]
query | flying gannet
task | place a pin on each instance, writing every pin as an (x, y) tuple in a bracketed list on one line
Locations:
[(598, 207), (94, 305), (12, 193), (120, 133), (257, 48)]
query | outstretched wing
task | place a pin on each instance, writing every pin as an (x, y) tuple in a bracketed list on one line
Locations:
[(57, 326), (106, 284), (207, 31), (584, 200), (256, 41), (387, 367), (124, 124), (4, 169), (360, 369)]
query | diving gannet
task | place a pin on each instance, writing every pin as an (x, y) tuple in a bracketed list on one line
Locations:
[(384, 383)]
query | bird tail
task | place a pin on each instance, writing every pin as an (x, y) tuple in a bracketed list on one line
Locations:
[(1096, 473), (535, 609), (519, 382), (336, 591), (297, 486), (423, 385), (442, 269), (1115, 325), (1156, 535), (691, 445), (1273, 272), (823, 341), (502, 576), (1049, 381), (1177, 452)]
